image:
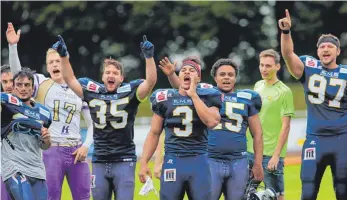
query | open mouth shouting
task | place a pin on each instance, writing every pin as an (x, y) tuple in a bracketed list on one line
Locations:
[(326, 56), (186, 79), (56, 72), (111, 82)]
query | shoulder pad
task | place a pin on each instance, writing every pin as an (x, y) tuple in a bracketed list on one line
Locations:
[(9, 98), (92, 86)]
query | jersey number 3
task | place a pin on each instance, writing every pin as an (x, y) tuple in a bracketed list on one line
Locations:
[(114, 111), (186, 121)]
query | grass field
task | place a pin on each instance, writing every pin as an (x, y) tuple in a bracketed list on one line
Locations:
[(292, 186)]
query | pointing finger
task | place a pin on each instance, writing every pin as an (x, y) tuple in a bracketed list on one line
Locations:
[(144, 38), (287, 14)]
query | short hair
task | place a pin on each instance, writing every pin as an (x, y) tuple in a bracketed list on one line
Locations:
[(25, 72), (329, 35), (221, 62), (195, 59), (111, 61), (271, 53), (5, 69), (50, 51)]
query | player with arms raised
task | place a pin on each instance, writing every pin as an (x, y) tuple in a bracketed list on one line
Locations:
[(113, 107), (67, 154), (185, 114), (324, 83)]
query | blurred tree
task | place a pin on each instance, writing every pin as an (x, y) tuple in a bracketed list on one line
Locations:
[(212, 30)]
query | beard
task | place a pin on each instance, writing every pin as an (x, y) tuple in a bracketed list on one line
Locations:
[(25, 99)]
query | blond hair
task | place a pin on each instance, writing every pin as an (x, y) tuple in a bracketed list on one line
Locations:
[(50, 51), (271, 53)]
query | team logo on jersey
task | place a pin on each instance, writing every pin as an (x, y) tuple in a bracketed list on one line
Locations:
[(14, 100), (244, 95), (161, 96), (169, 175), (125, 88), (92, 181), (93, 87), (310, 62), (310, 153)]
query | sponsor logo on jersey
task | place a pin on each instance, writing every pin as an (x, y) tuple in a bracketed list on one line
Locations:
[(177, 102), (31, 114), (14, 100), (44, 112), (125, 88), (169, 175), (93, 87), (343, 70), (161, 96), (310, 62), (244, 95), (310, 153), (206, 85), (170, 161)]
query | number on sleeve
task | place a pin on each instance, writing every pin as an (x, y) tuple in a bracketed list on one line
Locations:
[(186, 121)]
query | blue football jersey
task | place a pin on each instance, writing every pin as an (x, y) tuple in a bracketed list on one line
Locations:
[(326, 97), (13, 110), (114, 116), (185, 133), (228, 139)]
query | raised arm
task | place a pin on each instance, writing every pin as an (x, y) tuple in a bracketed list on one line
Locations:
[(13, 39), (293, 62), (146, 87), (68, 74), (150, 145), (169, 70), (257, 133)]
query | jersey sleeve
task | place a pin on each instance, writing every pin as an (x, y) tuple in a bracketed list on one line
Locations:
[(135, 86), (205, 85), (255, 104), (38, 79), (157, 100), (90, 86), (309, 63), (287, 108), (214, 98)]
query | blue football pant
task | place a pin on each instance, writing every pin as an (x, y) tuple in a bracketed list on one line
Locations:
[(189, 174), (229, 178), (317, 153), (21, 187), (118, 177)]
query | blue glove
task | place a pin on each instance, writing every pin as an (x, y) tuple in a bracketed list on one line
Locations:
[(60, 47), (147, 48)]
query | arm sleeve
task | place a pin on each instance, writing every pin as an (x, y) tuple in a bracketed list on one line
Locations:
[(287, 108), (214, 99), (157, 107), (14, 59), (88, 120), (256, 104)]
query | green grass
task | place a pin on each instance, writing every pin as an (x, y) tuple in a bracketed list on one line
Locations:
[(292, 186)]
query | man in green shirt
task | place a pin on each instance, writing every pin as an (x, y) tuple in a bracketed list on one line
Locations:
[(276, 112)]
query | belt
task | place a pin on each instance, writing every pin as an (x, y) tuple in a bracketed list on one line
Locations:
[(66, 144)]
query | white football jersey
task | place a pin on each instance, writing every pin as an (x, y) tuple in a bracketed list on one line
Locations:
[(65, 107)]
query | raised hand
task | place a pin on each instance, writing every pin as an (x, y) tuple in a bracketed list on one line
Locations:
[(167, 67), (285, 23), (11, 35), (61, 47), (147, 48)]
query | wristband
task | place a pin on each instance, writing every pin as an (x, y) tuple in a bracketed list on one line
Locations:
[(285, 31)]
